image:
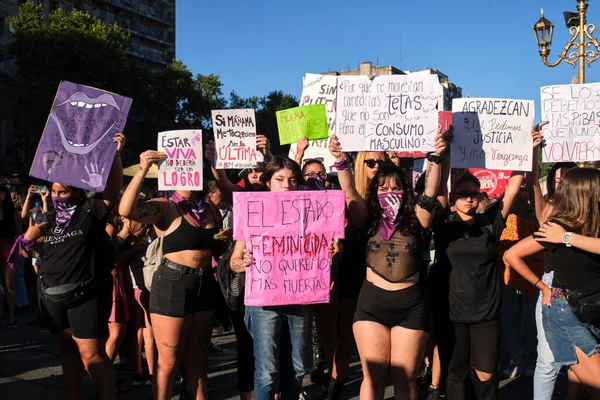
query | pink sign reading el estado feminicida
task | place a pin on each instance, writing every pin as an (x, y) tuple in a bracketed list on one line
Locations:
[(289, 235)]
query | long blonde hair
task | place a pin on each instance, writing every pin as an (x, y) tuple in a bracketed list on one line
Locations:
[(576, 203), (361, 182)]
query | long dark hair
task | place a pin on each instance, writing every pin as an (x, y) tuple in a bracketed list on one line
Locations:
[(408, 225), (551, 178), (576, 202), (278, 163)]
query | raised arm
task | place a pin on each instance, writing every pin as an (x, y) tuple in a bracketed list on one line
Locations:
[(223, 183), (426, 203), (536, 198), (514, 257), (442, 192), (356, 205), (114, 183), (151, 211), (27, 203), (264, 146), (301, 147), (516, 179)]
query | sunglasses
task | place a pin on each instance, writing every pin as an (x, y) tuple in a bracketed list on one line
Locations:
[(465, 195), (372, 163), (322, 175)]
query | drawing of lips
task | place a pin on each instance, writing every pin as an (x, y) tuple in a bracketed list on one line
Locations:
[(83, 122)]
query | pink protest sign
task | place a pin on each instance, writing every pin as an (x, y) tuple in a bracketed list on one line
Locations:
[(289, 234)]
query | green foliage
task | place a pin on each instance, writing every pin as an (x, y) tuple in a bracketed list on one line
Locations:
[(266, 120), (76, 47)]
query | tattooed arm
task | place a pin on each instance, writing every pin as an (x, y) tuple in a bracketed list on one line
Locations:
[(240, 258), (151, 211), (432, 182)]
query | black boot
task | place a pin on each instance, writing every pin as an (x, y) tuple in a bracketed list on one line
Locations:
[(334, 391)]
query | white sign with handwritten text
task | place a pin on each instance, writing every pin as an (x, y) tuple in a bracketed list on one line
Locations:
[(573, 115), (492, 133), (387, 112)]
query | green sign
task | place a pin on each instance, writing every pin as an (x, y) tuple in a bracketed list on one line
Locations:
[(307, 121)]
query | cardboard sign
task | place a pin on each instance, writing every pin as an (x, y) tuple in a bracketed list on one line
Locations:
[(289, 234), (304, 121), (492, 182), (573, 131), (235, 138), (387, 113), (77, 147), (182, 170), (492, 133), (319, 89)]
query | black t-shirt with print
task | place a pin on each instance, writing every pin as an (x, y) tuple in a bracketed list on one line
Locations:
[(83, 251), (466, 262)]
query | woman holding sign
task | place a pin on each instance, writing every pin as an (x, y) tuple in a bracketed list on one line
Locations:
[(391, 323), (183, 287), (74, 280), (265, 324), (464, 285)]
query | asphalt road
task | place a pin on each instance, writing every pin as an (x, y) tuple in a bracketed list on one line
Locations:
[(30, 369)]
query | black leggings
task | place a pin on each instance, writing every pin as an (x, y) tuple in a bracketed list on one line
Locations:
[(472, 347)]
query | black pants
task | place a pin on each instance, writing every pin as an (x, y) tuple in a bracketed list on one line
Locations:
[(245, 353), (472, 347)]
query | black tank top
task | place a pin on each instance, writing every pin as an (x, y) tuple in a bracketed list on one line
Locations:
[(189, 237)]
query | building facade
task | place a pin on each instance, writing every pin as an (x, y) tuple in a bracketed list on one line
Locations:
[(448, 90)]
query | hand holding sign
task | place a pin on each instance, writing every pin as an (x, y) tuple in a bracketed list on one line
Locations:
[(336, 149), (149, 157)]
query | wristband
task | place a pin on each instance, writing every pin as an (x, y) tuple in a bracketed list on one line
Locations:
[(341, 165), (433, 158), (536, 282), (427, 203)]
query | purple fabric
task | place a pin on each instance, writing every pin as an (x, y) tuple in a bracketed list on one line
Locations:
[(193, 208), (77, 147), (64, 208), (391, 206), (316, 183), (20, 244)]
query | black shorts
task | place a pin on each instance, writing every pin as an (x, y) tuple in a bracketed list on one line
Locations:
[(88, 320), (182, 291), (408, 308)]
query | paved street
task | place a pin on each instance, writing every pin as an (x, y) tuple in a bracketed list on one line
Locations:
[(30, 369)]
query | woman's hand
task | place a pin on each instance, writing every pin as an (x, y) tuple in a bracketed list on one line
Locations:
[(247, 260), (210, 152), (449, 134), (149, 157), (120, 140), (536, 134), (546, 296), (302, 144), (263, 145), (34, 232), (31, 191), (224, 234), (333, 248), (335, 149), (439, 143), (550, 232)]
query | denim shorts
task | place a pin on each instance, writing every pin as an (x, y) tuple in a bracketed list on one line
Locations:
[(564, 332), (182, 291)]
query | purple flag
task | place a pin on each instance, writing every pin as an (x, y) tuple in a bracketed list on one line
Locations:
[(77, 147)]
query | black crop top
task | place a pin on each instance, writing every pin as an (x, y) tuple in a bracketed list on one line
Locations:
[(189, 237)]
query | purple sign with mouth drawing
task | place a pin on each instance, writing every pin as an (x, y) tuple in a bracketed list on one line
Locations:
[(77, 147)]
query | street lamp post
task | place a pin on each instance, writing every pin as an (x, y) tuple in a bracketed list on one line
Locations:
[(582, 41)]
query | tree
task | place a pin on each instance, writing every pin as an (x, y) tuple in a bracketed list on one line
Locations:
[(79, 48), (266, 119)]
